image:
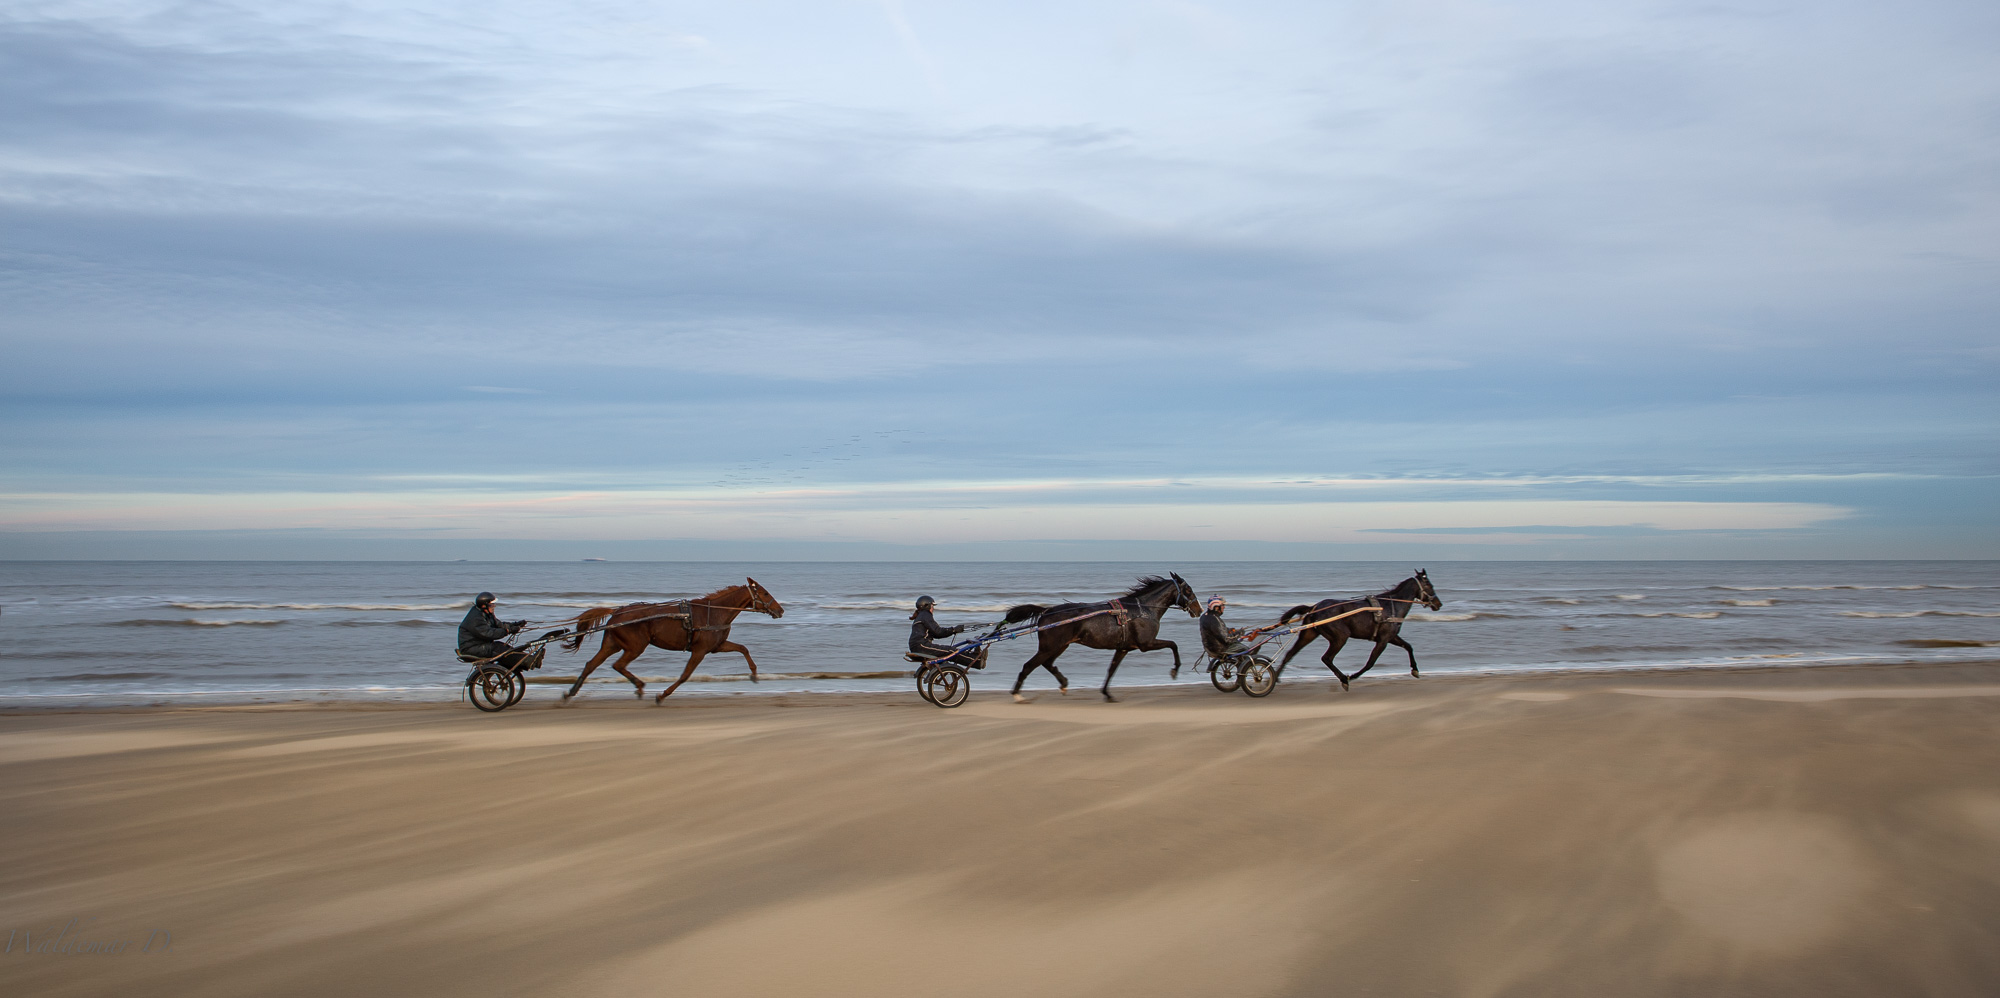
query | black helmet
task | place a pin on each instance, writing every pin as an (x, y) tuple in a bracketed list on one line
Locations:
[(924, 601), (483, 598)]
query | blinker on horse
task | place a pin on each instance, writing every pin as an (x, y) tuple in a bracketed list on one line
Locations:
[(698, 626)]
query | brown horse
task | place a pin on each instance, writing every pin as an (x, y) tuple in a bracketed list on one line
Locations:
[(697, 626)]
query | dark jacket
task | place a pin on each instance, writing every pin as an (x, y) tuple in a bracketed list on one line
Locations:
[(1218, 638), (924, 629), (479, 629)]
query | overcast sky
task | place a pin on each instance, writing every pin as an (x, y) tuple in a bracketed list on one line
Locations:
[(1423, 278)]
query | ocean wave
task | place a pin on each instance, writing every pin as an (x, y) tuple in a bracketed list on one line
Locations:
[(1761, 589), (1448, 617), (1627, 649), (1628, 596), (74, 653), (191, 622), (1875, 614), (387, 623), (1701, 615), (1749, 602), (1945, 643), (320, 606), (905, 605), (106, 677)]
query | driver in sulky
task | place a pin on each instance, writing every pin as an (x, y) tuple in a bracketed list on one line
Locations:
[(925, 631), (480, 634)]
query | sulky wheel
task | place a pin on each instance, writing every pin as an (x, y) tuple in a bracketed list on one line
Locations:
[(492, 688), (1223, 675), (1259, 678), (520, 689), (947, 687), (924, 685)]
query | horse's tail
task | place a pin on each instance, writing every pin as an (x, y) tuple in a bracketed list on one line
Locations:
[(586, 623), (1298, 611), (1026, 611)]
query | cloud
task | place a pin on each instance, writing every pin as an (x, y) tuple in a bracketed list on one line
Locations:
[(253, 251)]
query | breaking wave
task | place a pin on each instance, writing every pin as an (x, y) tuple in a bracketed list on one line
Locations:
[(191, 622), (1749, 602), (1761, 589), (321, 606), (1873, 614)]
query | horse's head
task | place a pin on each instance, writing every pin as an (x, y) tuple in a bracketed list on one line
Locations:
[(1425, 594), (762, 601), (1184, 596)]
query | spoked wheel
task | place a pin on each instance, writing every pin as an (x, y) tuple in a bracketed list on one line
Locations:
[(947, 687), (520, 689), (1223, 674), (1259, 678), (924, 684), (492, 688)]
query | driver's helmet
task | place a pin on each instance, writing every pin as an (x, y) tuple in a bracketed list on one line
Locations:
[(1217, 603), (924, 601), (483, 599)]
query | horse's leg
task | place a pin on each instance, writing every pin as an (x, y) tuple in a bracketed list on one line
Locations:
[(1156, 644), (1062, 681), (603, 652), (1116, 658), (1335, 642), (740, 650), (1044, 657), (1305, 638), (1034, 662), (693, 660), (1397, 640), (1380, 643), (626, 660)]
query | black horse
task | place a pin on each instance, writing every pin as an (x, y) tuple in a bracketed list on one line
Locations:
[(1129, 623), (1380, 621)]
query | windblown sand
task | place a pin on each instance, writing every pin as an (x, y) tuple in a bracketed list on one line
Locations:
[(1812, 832)]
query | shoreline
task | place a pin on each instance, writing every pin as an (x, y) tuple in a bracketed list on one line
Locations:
[(995, 687), (448, 696)]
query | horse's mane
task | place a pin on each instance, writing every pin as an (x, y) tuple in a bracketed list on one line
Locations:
[(1147, 582), (719, 592)]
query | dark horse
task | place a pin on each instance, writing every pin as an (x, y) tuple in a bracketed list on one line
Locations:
[(1129, 623), (698, 626), (1380, 621)]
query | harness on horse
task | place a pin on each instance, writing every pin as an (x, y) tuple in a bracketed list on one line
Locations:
[(1119, 614)]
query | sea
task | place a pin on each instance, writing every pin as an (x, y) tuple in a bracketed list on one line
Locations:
[(110, 633)]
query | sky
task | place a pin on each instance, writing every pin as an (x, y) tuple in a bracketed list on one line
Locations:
[(1415, 279)]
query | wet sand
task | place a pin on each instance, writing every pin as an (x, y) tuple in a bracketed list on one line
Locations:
[(1828, 831)]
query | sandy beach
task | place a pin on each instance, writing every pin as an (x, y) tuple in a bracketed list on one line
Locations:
[(1828, 831)]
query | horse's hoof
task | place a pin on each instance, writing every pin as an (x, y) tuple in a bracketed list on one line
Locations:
[(1065, 691), (1018, 698), (640, 693), (1108, 698)]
